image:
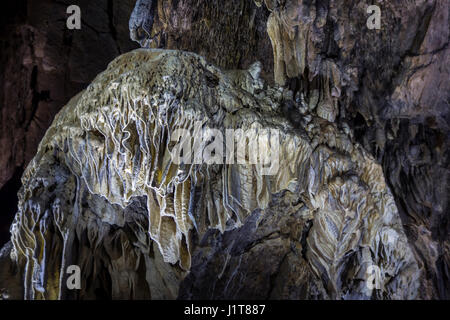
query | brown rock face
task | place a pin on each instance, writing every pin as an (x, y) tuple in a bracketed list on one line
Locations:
[(231, 34)]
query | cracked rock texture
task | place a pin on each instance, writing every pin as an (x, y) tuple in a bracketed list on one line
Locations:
[(364, 170)]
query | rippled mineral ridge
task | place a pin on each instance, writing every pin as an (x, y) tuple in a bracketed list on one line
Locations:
[(103, 193)]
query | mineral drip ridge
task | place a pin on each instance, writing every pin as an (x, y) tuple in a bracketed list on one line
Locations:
[(103, 193)]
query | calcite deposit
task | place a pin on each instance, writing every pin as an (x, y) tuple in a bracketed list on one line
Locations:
[(104, 193)]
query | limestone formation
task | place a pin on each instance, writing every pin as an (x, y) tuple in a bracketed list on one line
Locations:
[(104, 193), (141, 22), (42, 66), (357, 119), (389, 87), (392, 87)]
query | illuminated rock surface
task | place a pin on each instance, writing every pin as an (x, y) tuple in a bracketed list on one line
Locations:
[(240, 234), (103, 193)]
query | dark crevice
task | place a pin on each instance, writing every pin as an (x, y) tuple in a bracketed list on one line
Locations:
[(8, 199), (112, 27), (274, 276), (305, 234)]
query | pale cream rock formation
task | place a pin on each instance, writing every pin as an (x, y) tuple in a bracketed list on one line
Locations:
[(103, 192)]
